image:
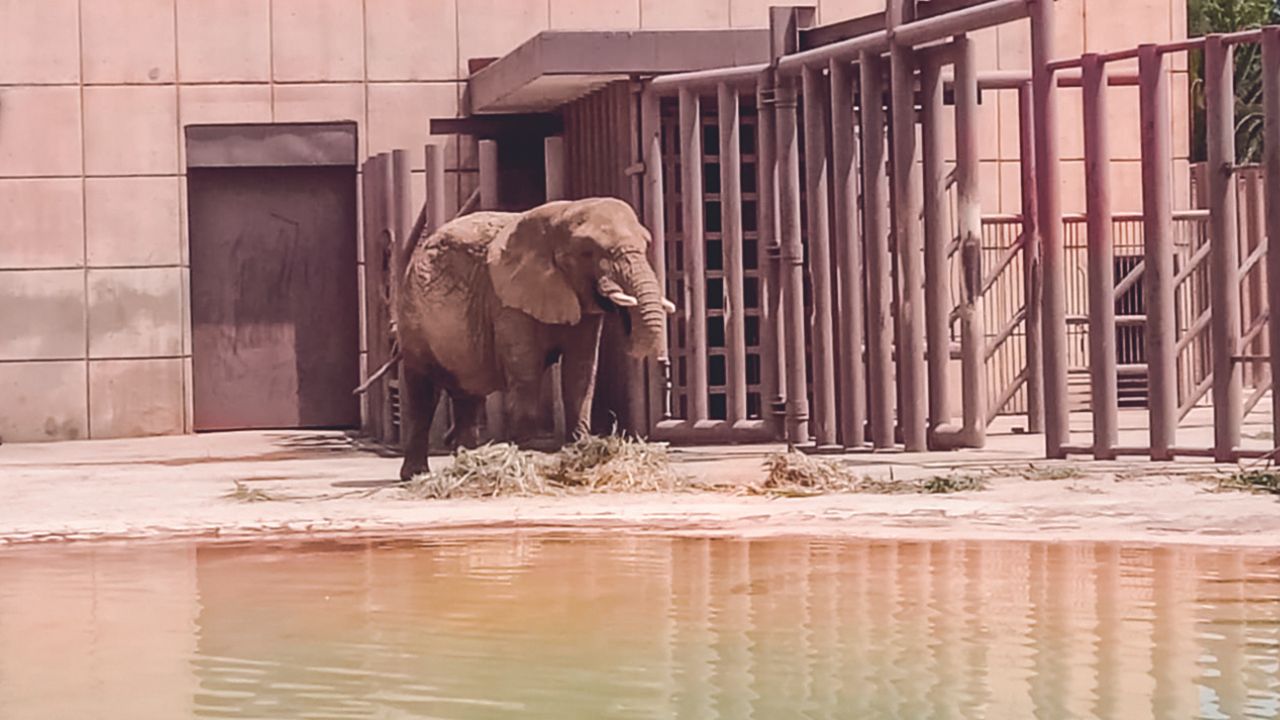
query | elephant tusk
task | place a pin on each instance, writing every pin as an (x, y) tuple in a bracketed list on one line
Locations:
[(669, 306), (622, 299)]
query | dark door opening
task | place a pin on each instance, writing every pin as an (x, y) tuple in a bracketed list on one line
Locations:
[(274, 303)]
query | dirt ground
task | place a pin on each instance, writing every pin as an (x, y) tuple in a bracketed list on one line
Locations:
[(327, 482)]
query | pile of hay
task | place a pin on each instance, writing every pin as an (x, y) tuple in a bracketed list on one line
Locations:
[(615, 463), (794, 474)]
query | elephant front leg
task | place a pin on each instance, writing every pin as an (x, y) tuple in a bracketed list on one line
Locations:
[(578, 375), (418, 399)]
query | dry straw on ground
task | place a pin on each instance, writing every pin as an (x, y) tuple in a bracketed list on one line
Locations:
[(794, 474), (613, 463)]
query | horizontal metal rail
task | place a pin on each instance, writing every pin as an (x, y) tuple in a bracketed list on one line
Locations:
[(736, 75)]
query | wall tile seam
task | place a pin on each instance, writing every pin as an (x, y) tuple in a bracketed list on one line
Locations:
[(82, 268), (42, 361), (84, 213)]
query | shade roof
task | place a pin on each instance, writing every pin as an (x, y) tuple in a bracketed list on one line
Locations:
[(555, 67)]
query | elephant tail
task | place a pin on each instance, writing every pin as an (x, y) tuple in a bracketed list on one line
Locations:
[(396, 356)]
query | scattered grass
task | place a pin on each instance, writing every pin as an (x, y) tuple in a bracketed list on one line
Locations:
[(247, 494), (794, 474), (1049, 472), (614, 463), (1261, 482)]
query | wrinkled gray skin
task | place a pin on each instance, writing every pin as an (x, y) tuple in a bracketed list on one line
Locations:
[(492, 299)]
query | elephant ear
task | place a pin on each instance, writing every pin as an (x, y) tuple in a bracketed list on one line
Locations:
[(524, 273)]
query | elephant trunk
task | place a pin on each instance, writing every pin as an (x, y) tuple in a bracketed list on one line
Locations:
[(649, 316)]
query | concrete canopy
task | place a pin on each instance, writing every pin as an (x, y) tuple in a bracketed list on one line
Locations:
[(556, 67)]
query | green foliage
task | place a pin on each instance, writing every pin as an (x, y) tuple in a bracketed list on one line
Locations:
[(1220, 16)]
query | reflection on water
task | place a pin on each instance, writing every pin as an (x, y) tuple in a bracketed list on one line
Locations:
[(640, 627)]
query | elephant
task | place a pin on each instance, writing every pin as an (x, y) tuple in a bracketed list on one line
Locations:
[(490, 300)]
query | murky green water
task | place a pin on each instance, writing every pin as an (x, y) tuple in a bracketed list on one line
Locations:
[(557, 627)]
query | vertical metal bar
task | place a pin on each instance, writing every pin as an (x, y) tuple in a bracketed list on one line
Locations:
[(655, 214), (1101, 253), (553, 164), (376, 320), (631, 155), (937, 242), (554, 168), (853, 377), (437, 214), (875, 222), (694, 250), (1053, 261), (973, 338), (818, 205), (1224, 254), (1271, 167), (908, 203), (495, 403), (792, 260), (730, 122), (1158, 279), (386, 252), (1031, 269), (773, 348)]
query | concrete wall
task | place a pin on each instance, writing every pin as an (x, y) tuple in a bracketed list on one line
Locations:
[(94, 335)]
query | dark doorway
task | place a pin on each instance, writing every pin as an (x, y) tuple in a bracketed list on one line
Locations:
[(274, 303)]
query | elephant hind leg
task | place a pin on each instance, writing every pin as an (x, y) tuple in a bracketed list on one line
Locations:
[(465, 431), (419, 396)]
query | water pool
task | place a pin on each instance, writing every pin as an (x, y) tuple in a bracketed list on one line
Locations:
[(545, 626)]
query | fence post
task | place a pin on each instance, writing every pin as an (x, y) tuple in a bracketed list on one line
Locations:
[(818, 206), (1158, 276), (435, 216), (729, 119), (773, 347), (1103, 384), (853, 379), (1271, 163), (1224, 258), (495, 403), (656, 218), (1031, 269), (792, 260), (907, 198), (377, 322), (1053, 263), (695, 247), (875, 221), (973, 349), (937, 256), (553, 162)]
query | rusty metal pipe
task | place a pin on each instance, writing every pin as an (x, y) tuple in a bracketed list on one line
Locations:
[(730, 122), (817, 202), (853, 377), (1031, 277), (695, 286), (655, 218), (1103, 383), (772, 338), (937, 260), (1157, 201), (875, 220), (1224, 260), (1271, 165), (792, 259)]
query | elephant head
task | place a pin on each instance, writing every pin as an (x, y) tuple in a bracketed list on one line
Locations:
[(562, 260)]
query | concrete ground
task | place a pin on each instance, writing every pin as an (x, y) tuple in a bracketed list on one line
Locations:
[(330, 482)]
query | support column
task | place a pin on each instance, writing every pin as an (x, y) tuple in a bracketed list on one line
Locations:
[(1158, 277), (554, 180), (818, 206), (1053, 267), (973, 332), (695, 284), (908, 206), (1271, 167), (937, 256), (729, 120), (1101, 253), (1224, 257), (495, 403), (655, 213), (792, 258), (875, 220), (773, 347), (1031, 268), (853, 377), (436, 212)]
